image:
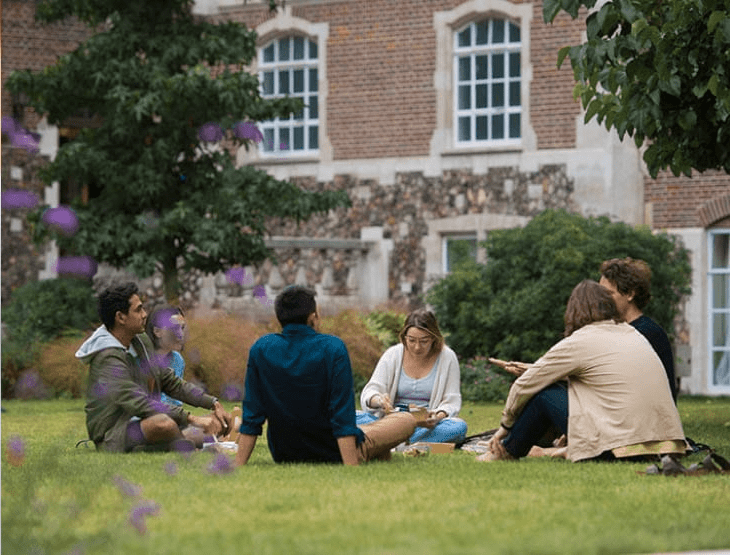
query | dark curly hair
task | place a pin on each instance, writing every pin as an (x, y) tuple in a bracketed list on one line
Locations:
[(629, 275)]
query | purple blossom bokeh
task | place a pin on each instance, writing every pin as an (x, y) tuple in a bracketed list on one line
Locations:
[(248, 130), (82, 266), (16, 450), (62, 218), (127, 488), (140, 512), (19, 136), (210, 132), (29, 385), (259, 292), (232, 392), (221, 464), (171, 468), (17, 198)]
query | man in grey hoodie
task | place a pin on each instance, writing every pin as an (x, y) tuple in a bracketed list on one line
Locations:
[(123, 409)]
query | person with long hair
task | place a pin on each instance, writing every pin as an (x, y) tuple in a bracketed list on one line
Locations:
[(617, 403), (167, 329), (420, 370)]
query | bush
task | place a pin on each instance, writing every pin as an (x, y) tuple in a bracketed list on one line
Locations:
[(512, 308), (482, 382), (38, 312), (216, 353), (363, 347), (60, 370), (42, 310), (385, 325)]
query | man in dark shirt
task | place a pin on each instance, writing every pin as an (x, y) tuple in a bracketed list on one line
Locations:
[(300, 381), (629, 281)]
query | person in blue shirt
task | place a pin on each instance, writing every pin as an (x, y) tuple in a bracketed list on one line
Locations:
[(167, 330), (300, 382), (629, 281)]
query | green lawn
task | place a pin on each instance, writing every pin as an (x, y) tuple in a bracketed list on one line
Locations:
[(67, 500)]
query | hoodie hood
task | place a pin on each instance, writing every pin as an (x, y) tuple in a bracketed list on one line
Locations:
[(101, 339)]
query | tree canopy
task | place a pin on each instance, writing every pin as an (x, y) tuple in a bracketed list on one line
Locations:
[(174, 100), (512, 307), (657, 71)]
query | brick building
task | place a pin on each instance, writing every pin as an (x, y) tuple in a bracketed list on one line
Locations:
[(443, 119)]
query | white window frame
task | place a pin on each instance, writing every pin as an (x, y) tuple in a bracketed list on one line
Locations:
[(446, 24), (482, 89), (713, 312), (445, 247), (281, 134)]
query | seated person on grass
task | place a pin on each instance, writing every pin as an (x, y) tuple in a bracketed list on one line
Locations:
[(629, 281), (167, 330), (617, 405), (123, 409), (420, 370), (300, 381)]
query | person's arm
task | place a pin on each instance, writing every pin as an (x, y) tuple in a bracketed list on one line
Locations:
[(446, 400), (558, 363), (378, 384), (348, 450), (246, 443)]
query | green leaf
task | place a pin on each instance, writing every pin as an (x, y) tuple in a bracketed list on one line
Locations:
[(562, 53)]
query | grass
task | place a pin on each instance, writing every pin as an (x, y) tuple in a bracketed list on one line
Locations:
[(65, 500)]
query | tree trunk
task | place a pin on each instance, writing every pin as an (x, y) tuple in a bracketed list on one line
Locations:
[(170, 279)]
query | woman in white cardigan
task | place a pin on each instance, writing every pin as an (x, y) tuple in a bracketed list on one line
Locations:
[(421, 370)]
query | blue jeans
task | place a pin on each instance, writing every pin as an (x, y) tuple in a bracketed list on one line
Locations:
[(547, 409), (448, 430)]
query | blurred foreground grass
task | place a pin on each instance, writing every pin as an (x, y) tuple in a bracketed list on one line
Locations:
[(67, 500)]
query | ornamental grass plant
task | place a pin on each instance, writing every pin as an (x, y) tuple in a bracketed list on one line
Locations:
[(59, 499)]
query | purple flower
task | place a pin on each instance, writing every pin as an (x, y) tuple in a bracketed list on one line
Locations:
[(19, 136), (231, 392), (141, 511), (127, 488), (248, 130), (62, 218), (83, 266), (235, 275), (16, 450), (171, 468), (260, 293), (221, 464), (210, 132), (17, 198), (30, 386)]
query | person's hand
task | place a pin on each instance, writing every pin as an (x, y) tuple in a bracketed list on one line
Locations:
[(224, 417), (433, 419), (209, 424), (495, 444), (513, 367), (381, 402)]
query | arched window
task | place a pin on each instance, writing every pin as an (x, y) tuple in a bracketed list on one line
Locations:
[(487, 83), (288, 66)]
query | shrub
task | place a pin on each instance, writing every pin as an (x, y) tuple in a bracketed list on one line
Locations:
[(37, 312), (482, 382), (363, 347), (385, 325), (42, 310), (216, 353), (60, 370), (512, 307)]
